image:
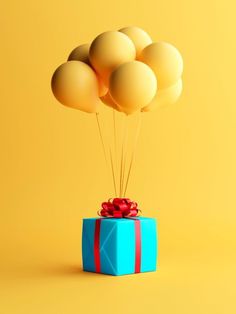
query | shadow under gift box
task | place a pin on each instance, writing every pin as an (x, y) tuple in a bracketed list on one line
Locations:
[(119, 246)]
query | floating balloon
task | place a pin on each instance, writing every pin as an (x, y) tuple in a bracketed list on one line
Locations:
[(166, 62), (107, 100), (80, 53), (109, 50), (132, 86), (165, 97), (75, 85), (138, 36)]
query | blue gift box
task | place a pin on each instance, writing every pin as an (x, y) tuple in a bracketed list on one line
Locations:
[(119, 246)]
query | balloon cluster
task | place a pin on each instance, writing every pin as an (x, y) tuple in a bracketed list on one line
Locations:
[(124, 69)]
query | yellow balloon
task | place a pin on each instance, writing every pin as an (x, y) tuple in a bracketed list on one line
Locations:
[(132, 86), (138, 36), (75, 85), (109, 50), (80, 53), (164, 97), (166, 62), (107, 100)]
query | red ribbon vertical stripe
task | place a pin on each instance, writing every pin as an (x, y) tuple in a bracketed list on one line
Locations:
[(97, 246), (137, 246)]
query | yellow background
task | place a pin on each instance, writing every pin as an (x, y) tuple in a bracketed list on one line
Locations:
[(52, 167)]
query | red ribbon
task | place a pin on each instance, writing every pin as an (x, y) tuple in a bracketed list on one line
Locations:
[(97, 246), (137, 246), (118, 208)]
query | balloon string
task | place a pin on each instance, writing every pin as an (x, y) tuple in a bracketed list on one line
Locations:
[(133, 153), (115, 149), (113, 172), (114, 127), (103, 147), (101, 138), (125, 154), (122, 160)]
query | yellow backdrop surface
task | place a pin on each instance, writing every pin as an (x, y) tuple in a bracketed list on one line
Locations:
[(52, 167)]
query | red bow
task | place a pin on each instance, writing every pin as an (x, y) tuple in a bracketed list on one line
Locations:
[(119, 208)]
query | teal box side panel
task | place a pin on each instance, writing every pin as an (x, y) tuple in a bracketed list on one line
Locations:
[(126, 247), (108, 246), (87, 244), (148, 244)]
